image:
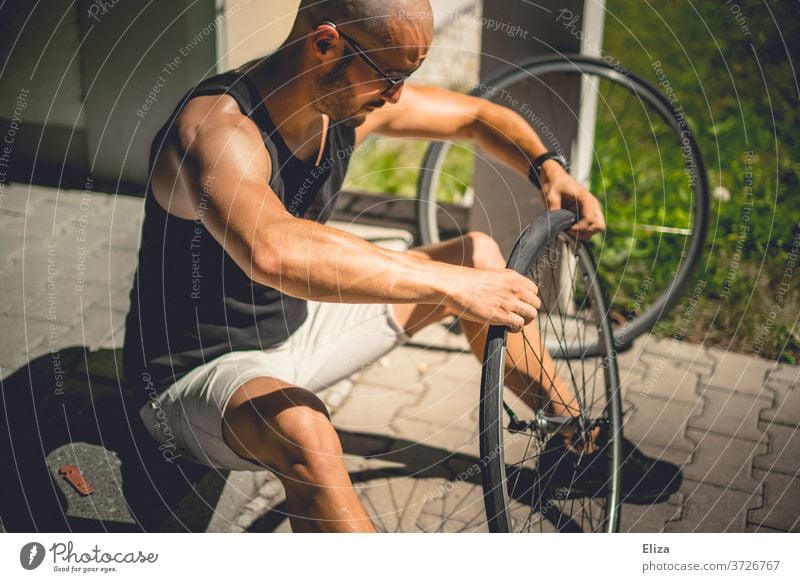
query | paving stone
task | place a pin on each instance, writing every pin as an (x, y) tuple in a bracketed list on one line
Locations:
[(422, 450), (659, 421), (632, 379), (371, 408), (441, 336), (730, 414), (786, 405), (458, 507), (783, 454), (102, 469), (12, 244), (39, 219), (631, 357), (394, 504), (92, 327), (21, 198), (784, 374), (111, 266), (232, 512), (724, 461), (711, 509), (405, 367), (452, 438), (676, 456), (334, 396), (15, 350), (668, 380), (739, 372), (781, 509), (695, 355), (105, 297), (449, 401), (650, 518)]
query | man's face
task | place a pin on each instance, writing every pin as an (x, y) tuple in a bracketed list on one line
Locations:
[(352, 88)]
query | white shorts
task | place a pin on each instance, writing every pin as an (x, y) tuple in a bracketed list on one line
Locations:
[(335, 341)]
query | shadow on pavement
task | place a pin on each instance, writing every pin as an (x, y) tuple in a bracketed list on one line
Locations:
[(74, 410)]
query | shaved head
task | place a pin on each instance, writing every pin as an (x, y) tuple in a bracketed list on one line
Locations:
[(386, 19), (394, 34)]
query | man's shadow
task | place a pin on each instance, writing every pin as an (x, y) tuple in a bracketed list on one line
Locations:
[(79, 399)]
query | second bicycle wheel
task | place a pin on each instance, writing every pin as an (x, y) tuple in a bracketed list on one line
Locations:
[(645, 168), (531, 449)]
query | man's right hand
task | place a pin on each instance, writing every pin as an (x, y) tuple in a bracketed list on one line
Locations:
[(495, 296)]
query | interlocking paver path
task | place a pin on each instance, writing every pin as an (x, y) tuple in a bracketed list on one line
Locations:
[(408, 423)]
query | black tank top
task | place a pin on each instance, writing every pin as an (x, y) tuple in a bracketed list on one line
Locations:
[(190, 302)]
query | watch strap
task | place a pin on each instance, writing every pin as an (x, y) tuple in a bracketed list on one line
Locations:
[(535, 170)]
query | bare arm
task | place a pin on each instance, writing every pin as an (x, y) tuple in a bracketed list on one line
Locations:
[(434, 113), (229, 166)]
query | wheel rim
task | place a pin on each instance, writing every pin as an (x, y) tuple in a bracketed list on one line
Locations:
[(519, 494), (643, 285)]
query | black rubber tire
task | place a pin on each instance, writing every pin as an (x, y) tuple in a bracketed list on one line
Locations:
[(426, 209), (547, 231)]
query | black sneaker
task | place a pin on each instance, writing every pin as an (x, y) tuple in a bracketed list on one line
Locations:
[(568, 475)]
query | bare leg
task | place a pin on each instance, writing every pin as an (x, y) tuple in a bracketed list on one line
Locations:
[(287, 429), (531, 372)]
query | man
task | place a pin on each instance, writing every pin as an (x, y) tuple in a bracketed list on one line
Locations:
[(245, 304)]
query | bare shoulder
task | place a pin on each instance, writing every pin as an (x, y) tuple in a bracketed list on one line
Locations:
[(209, 132)]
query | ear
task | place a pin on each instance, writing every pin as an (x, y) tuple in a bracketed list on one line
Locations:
[(323, 38)]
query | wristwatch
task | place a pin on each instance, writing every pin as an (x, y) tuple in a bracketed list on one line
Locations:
[(536, 166)]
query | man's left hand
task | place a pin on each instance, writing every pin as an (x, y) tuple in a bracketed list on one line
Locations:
[(562, 191)]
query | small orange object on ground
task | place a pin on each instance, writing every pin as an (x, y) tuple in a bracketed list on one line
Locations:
[(76, 479)]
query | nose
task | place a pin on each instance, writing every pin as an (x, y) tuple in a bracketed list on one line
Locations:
[(392, 94)]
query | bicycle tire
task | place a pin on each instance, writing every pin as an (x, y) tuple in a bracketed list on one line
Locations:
[(641, 322), (510, 487)]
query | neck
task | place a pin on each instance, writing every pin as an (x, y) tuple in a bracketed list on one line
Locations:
[(285, 96)]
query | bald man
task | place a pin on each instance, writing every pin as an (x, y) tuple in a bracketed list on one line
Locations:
[(245, 304)]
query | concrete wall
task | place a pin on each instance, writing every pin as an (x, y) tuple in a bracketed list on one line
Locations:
[(507, 200), (101, 79), (255, 28), (40, 61)]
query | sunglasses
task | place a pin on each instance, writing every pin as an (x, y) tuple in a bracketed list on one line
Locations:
[(393, 80)]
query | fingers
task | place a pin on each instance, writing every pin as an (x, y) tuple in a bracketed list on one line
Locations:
[(516, 323), (584, 229)]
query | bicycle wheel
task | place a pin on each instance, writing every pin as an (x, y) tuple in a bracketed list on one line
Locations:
[(646, 170), (520, 495)]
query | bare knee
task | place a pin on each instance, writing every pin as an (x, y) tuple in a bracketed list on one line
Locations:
[(482, 251), (290, 431)]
